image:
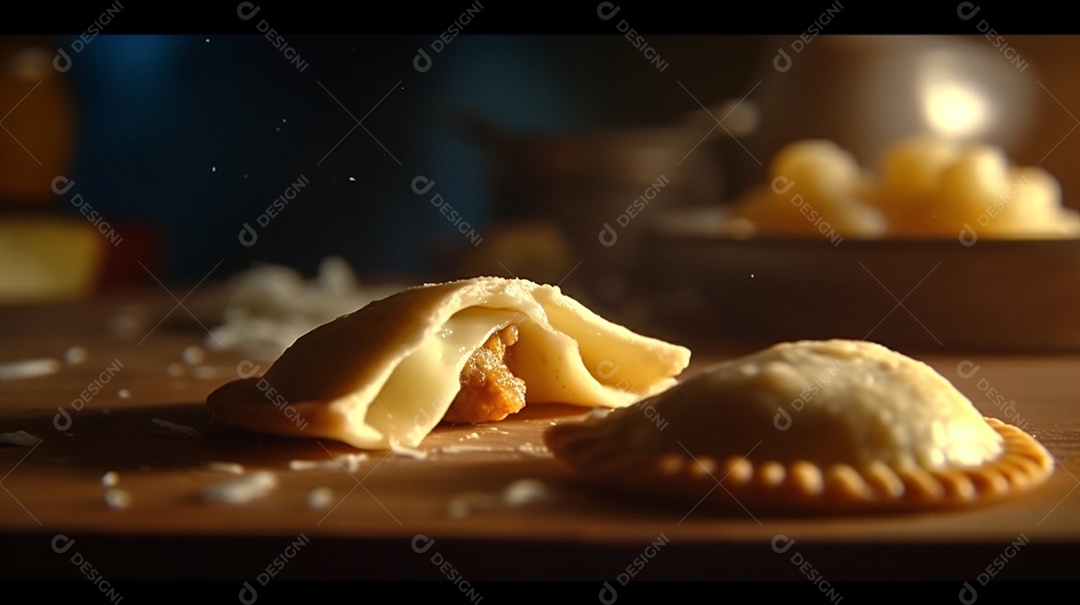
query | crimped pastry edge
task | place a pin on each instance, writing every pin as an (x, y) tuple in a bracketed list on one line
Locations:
[(593, 449)]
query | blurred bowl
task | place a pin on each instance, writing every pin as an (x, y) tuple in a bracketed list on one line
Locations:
[(914, 294), (601, 187)]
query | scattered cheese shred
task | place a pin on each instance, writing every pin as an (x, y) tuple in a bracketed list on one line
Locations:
[(28, 368), (233, 468), (242, 490), (351, 462), (462, 449), (21, 438), (408, 452), (75, 355), (320, 498), (117, 499), (193, 355), (518, 493), (181, 430), (525, 491)]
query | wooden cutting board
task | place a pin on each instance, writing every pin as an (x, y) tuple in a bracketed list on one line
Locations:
[(484, 498)]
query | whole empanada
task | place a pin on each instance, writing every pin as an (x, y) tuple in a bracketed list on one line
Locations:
[(827, 426)]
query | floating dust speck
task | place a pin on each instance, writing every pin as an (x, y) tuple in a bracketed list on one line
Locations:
[(110, 479), (123, 394), (28, 368), (352, 179), (233, 468), (19, 438), (242, 490), (193, 355), (320, 498), (117, 499), (75, 355), (175, 370), (180, 430)]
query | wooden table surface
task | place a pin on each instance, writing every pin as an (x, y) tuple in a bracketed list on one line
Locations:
[(382, 511)]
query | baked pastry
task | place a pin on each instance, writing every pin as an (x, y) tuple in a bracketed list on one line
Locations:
[(820, 425), (465, 351)]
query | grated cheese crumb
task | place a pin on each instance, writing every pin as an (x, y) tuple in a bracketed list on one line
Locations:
[(193, 355), (540, 451), (351, 462), (461, 507), (461, 449), (233, 468), (28, 368), (404, 450), (75, 355), (320, 497), (181, 430), (525, 491), (21, 438), (518, 493), (117, 499), (242, 490), (597, 413)]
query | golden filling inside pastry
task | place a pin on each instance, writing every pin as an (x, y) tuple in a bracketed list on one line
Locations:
[(820, 424), (489, 389)]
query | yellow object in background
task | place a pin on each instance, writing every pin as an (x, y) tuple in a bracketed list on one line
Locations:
[(937, 187), (43, 256), (926, 186), (48, 259), (813, 186)]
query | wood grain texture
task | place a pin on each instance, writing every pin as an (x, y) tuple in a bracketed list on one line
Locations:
[(457, 495)]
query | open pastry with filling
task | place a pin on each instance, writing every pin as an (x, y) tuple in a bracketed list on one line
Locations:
[(821, 425), (467, 351)]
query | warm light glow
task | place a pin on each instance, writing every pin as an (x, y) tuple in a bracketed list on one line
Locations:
[(952, 105), (955, 110)]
